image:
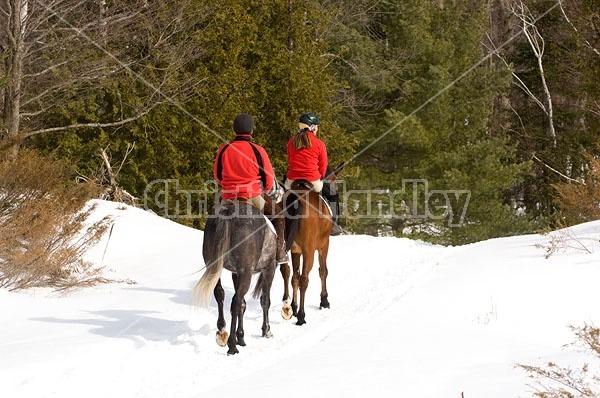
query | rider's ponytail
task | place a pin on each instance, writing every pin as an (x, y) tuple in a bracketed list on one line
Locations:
[(302, 140)]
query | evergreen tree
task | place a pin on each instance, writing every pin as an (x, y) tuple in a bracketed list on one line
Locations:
[(268, 59), (439, 133), (571, 69), (400, 86)]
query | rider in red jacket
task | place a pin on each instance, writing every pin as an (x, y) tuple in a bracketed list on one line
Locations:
[(244, 172), (307, 159), (240, 174), (309, 163)]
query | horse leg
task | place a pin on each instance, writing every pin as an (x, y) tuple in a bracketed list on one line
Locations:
[(286, 309), (265, 301), (239, 334), (307, 264), (323, 274), (295, 282), (285, 273), (238, 304), (222, 334)]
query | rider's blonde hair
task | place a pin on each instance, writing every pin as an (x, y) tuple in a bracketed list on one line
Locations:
[(302, 140)]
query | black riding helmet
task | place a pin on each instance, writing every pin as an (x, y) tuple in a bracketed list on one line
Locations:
[(309, 119)]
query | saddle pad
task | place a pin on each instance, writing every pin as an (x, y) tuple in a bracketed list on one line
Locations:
[(270, 224)]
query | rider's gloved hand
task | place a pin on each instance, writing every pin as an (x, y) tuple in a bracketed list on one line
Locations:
[(276, 192)]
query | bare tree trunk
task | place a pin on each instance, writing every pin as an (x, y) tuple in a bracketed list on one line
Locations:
[(537, 44), (14, 70), (114, 192)]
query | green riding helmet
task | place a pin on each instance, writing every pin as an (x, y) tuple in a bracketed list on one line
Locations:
[(309, 119)]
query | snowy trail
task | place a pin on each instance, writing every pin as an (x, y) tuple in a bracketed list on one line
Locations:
[(406, 319), (358, 291)]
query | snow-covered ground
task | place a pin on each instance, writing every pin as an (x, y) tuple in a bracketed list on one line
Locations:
[(407, 319)]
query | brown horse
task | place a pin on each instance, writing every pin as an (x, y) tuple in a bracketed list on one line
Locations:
[(315, 222)]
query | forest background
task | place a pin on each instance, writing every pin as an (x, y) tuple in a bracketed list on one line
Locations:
[(457, 121)]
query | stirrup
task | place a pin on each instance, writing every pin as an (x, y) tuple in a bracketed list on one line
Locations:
[(281, 262), (336, 230)]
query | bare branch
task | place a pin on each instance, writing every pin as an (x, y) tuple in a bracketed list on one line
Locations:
[(89, 125), (587, 43), (558, 172)]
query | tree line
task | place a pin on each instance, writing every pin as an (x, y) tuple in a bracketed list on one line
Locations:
[(458, 120)]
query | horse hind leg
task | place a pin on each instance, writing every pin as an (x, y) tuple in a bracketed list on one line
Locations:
[(286, 309), (323, 272), (295, 282), (232, 340), (266, 279), (239, 333), (307, 264), (222, 334), (238, 307), (265, 303)]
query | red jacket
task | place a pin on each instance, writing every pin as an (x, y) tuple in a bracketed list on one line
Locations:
[(236, 169), (308, 163)]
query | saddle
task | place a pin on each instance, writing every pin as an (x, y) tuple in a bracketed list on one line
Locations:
[(301, 184)]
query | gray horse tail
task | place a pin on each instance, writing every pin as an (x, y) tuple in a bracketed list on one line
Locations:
[(259, 286), (214, 267)]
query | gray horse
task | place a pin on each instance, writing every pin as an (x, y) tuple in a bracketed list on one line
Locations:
[(239, 238)]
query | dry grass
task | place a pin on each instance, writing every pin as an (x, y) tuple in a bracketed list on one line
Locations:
[(555, 381), (563, 240), (43, 224), (580, 202)]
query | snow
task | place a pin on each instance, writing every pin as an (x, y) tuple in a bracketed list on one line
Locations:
[(407, 319)]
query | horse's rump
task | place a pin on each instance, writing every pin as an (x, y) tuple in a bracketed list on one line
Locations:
[(300, 205), (236, 235)]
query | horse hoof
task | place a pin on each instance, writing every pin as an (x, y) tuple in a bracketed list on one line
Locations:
[(324, 305), (300, 322), (222, 337), (232, 351), (287, 312), (268, 335)]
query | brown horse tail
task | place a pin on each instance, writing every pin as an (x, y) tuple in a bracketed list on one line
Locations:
[(206, 284)]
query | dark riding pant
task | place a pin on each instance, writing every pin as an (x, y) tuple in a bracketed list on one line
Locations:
[(275, 213)]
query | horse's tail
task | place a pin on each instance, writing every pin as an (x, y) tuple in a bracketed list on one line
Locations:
[(214, 268)]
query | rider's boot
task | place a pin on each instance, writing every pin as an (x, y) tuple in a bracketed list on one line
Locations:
[(334, 203), (275, 214), (279, 224)]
